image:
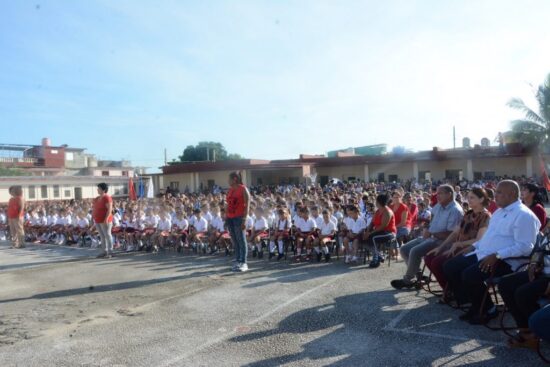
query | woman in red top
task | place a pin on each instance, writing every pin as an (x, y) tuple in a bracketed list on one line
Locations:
[(103, 218), (402, 221), (238, 205), (412, 218), (16, 208), (532, 198), (381, 230)]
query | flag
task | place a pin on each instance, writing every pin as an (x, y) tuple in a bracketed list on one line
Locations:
[(141, 189), (150, 189), (131, 190), (545, 180)]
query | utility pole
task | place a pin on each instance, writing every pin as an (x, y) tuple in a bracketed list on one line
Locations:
[(165, 157), (454, 137)]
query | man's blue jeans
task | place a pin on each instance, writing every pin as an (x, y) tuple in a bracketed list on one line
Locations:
[(234, 225)]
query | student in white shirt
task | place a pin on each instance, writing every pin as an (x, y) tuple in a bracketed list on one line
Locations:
[(198, 235), (306, 231), (280, 234), (259, 233), (327, 230), (356, 226), (162, 232), (316, 217), (180, 228), (511, 234), (217, 228)]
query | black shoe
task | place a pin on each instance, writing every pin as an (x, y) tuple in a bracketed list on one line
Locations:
[(254, 252), (281, 256), (483, 319), (402, 284), (375, 262), (271, 255), (319, 257), (227, 253), (327, 258), (260, 254), (468, 315)]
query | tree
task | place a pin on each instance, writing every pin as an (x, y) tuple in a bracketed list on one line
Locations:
[(4, 171), (534, 128), (206, 151)]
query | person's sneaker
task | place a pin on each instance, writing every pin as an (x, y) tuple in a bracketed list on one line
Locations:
[(243, 268), (354, 260), (346, 259), (130, 248), (254, 252), (402, 284), (236, 266), (271, 255), (281, 256), (327, 257), (467, 315), (483, 319), (297, 258), (319, 257)]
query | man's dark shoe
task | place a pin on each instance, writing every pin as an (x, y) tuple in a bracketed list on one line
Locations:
[(327, 258), (483, 319), (402, 284), (319, 257)]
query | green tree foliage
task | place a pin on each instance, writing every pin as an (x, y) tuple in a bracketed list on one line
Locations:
[(11, 172), (206, 151)]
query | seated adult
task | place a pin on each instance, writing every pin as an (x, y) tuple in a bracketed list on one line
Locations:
[(531, 196), (521, 292), (539, 322), (446, 215), (401, 211), (511, 234), (382, 228), (471, 229)]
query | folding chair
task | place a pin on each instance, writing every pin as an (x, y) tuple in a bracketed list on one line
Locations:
[(543, 302)]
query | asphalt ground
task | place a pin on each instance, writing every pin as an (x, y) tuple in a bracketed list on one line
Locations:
[(60, 306)]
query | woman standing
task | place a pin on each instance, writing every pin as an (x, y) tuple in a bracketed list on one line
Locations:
[(16, 210), (238, 206), (103, 218)]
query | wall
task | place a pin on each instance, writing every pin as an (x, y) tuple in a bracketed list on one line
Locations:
[(511, 166), (342, 172), (403, 170), (277, 176)]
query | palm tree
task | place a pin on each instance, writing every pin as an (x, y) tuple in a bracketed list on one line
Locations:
[(534, 129)]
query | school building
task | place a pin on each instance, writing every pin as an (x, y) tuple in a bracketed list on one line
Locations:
[(468, 163)]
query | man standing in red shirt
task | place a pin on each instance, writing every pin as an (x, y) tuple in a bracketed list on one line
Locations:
[(103, 218), (16, 209)]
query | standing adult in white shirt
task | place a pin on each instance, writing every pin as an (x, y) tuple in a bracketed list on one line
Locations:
[(511, 234)]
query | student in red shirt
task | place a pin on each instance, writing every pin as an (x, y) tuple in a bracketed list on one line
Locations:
[(16, 209), (103, 218)]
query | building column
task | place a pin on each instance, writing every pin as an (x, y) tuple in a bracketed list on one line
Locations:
[(529, 166), (415, 171), (469, 170), (366, 174), (246, 177)]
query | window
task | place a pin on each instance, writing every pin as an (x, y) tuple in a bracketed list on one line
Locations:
[(69, 156), (125, 190), (32, 192), (67, 193), (104, 173), (44, 192), (55, 191), (54, 151), (124, 173), (381, 177), (117, 190), (174, 185), (478, 175), (211, 184), (393, 178), (490, 175)]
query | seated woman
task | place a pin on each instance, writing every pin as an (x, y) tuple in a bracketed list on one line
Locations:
[(532, 197), (402, 218), (473, 226), (381, 229)]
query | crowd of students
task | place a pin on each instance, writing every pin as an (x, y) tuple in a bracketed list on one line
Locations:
[(464, 234)]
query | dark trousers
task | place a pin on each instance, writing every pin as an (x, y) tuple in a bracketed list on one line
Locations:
[(539, 323), (467, 281), (521, 296)]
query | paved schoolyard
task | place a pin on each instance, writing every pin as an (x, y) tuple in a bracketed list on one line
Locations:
[(62, 307)]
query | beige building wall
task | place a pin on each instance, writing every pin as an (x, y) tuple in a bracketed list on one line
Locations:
[(342, 172), (182, 179), (276, 176), (220, 178), (403, 170), (512, 166), (437, 168)]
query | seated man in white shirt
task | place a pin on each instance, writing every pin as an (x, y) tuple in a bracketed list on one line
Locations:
[(511, 234)]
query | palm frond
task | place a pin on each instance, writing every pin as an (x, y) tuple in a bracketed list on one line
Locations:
[(518, 104), (527, 126), (543, 98)]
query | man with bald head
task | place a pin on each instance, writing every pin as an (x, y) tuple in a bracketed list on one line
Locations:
[(511, 234)]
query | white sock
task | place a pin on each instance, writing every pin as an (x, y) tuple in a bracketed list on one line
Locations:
[(280, 243), (271, 246), (316, 249), (325, 250)]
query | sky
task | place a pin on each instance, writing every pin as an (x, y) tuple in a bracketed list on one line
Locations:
[(267, 79)]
